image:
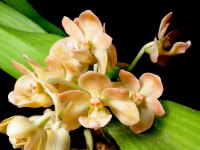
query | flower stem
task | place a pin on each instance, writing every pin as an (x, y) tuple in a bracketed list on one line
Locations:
[(139, 55)]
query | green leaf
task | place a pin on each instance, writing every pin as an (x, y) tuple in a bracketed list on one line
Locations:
[(14, 43), (25, 8), (12, 18), (179, 129)]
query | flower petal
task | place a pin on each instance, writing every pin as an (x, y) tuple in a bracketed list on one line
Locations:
[(155, 106), (60, 50), (151, 85), (17, 143), (94, 123), (94, 83), (72, 29), (112, 55), (154, 51), (146, 121), (4, 124), (101, 56), (34, 101), (83, 55), (37, 140), (58, 140), (55, 69), (90, 24), (102, 41), (78, 105), (163, 24), (24, 127), (179, 48), (128, 81), (72, 72), (121, 106), (125, 110), (114, 93)]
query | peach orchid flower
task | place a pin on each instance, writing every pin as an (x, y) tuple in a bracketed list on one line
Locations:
[(145, 93), (32, 89), (28, 133), (161, 50), (87, 41), (87, 107)]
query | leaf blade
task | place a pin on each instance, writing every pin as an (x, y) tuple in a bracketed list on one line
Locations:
[(15, 43), (178, 129), (12, 18), (24, 7)]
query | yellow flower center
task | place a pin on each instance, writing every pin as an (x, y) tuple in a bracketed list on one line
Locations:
[(36, 87), (96, 103), (84, 45), (137, 98)]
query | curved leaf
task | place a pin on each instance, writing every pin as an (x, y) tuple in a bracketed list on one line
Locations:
[(25, 8), (179, 129), (12, 18), (14, 43)]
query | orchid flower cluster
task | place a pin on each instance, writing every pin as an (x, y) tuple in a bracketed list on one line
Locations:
[(87, 86)]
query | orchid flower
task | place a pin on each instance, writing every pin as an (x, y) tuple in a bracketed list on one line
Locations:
[(162, 48), (87, 107), (29, 91), (87, 41), (145, 93), (32, 133)]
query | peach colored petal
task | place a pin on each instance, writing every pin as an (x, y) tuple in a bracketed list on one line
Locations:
[(73, 95), (151, 85), (35, 101), (90, 24), (114, 93), (93, 123), (37, 141), (76, 21), (101, 56), (60, 49), (146, 121), (27, 83), (17, 143), (154, 51), (102, 41), (4, 124), (94, 83), (163, 24), (180, 47), (154, 105), (72, 29), (24, 70), (55, 69), (112, 55), (168, 39), (163, 31), (125, 110), (72, 72), (128, 81), (83, 55), (78, 106), (25, 127)]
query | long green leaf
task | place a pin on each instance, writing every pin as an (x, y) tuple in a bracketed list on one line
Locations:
[(25, 8), (179, 129), (12, 18), (14, 43)]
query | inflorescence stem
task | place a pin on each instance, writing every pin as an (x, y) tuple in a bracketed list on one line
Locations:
[(145, 48)]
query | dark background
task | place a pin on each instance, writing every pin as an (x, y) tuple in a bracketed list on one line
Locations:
[(131, 25)]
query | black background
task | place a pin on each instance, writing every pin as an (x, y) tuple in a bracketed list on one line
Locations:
[(131, 25)]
